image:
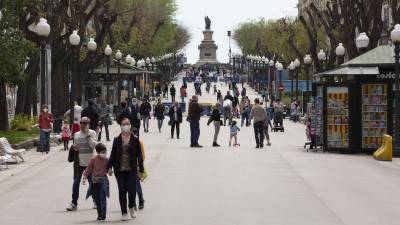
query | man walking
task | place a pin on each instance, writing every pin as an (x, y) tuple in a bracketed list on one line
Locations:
[(91, 113), (145, 110), (259, 115), (105, 119), (172, 92), (194, 120), (80, 153)]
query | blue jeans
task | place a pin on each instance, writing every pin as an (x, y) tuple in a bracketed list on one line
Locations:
[(101, 199), (139, 191), (45, 141), (160, 122), (146, 123), (77, 182), (245, 116), (194, 132)]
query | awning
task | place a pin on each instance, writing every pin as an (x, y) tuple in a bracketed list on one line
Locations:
[(351, 71)]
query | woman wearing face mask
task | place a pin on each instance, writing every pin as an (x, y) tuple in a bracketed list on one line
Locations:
[(45, 122), (126, 157)]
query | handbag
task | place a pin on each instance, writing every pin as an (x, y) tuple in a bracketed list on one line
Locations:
[(170, 122)]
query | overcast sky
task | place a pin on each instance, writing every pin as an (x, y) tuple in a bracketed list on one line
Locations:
[(226, 15)]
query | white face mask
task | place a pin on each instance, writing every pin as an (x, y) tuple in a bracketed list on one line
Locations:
[(103, 155), (126, 128), (45, 110)]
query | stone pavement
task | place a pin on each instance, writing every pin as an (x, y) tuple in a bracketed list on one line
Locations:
[(278, 185)]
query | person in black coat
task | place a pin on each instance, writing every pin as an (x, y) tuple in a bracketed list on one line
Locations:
[(159, 110), (172, 92), (145, 109), (91, 113), (175, 116), (216, 119), (127, 161)]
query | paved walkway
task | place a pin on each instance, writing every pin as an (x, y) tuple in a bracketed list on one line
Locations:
[(278, 185)]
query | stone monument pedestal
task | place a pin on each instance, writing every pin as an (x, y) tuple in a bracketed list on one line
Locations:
[(208, 49)]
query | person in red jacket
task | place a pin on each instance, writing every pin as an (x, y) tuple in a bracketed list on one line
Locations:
[(45, 122)]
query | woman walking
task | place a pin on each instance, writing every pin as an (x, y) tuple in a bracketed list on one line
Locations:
[(126, 157), (45, 122), (244, 110), (159, 110), (175, 116), (216, 119)]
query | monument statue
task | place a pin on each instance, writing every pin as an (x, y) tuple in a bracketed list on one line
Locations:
[(208, 48), (208, 23)]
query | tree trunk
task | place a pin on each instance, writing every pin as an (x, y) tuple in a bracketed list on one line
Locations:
[(60, 86), (21, 94), (4, 126)]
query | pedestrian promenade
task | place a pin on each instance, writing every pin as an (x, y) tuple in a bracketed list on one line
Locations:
[(277, 185)]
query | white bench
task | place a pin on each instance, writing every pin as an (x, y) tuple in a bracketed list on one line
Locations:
[(3, 160), (6, 149)]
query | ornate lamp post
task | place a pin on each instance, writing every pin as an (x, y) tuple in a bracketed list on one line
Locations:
[(395, 36), (292, 67), (108, 52), (297, 65), (307, 63), (279, 67), (322, 57), (340, 51), (43, 30), (92, 46), (118, 57), (74, 40), (271, 80), (362, 42)]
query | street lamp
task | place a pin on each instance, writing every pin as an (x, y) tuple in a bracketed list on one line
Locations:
[(74, 40), (340, 51), (307, 63), (321, 57), (108, 53), (395, 36), (118, 57), (297, 65), (43, 30), (292, 67), (362, 41), (92, 46), (279, 67), (128, 59), (271, 80)]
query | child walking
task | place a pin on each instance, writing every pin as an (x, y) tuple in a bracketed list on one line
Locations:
[(65, 134), (97, 169), (234, 130), (310, 134)]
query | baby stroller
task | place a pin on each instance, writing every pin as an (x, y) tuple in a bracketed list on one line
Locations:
[(278, 122)]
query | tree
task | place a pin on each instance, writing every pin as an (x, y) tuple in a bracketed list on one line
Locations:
[(14, 52)]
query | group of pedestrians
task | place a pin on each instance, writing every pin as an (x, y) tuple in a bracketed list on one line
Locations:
[(126, 162)]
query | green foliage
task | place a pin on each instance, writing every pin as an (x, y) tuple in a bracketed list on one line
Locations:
[(147, 28), (273, 38), (15, 49), (15, 137), (23, 123)]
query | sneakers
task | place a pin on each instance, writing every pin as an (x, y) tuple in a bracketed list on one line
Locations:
[(72, 207), (258, 146), (197, 146), (269, 144), (124, 217), (141, 205), (132, 212), (101, 219)]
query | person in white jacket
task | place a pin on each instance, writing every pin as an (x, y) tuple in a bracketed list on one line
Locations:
[(77, 111)]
